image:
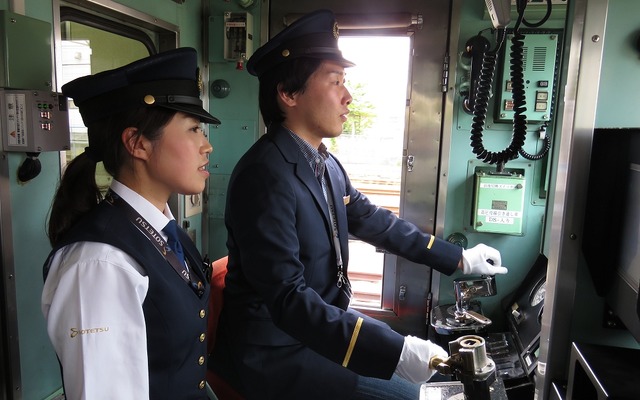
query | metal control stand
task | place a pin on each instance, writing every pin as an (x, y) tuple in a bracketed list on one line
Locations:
[(472, 367), (465, 316)]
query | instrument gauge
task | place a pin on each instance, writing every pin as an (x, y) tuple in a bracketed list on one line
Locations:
[(538, 293)]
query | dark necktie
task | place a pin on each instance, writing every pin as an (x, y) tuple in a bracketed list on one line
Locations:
[(172, 233)]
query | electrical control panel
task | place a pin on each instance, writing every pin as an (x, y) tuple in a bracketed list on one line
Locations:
[(25, 51), (498, 205), (238, 36), (34, 121), (539, 61)]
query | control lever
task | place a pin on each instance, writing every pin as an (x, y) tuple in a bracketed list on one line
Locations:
[(466, 314), (470, 364), (467, 288), (469, 314)]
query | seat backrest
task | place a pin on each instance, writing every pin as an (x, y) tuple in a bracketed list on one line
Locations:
[(222, 389), (218, 272)]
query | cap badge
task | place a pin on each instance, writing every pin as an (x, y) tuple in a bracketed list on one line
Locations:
[(199, 79), (149, 99), (336, 31), (285, 53)]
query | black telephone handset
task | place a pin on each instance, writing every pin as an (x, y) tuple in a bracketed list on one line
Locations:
[(483, 66), (475, 49)]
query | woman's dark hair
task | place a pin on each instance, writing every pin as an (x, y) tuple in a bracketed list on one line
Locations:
[(292, 76), (78, 192)]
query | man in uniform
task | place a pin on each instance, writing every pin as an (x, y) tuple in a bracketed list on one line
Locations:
[(286, 330)]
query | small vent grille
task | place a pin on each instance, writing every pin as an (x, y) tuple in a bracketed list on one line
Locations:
[(539, 58)]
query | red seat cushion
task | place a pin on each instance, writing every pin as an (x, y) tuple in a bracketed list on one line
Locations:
[(219, 269), (218, 272)]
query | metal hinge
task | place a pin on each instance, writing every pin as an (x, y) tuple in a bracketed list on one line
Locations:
[(417, 20), (410, 161), (445, 74), (402, 292)]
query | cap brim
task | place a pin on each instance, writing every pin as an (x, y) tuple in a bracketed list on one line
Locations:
[(193, 110)]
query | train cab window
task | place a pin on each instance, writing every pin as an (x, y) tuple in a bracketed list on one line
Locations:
[(95, 39), (371, 147)]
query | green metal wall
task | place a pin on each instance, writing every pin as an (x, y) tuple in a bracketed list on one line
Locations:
[(617, 107), (619, 96), (238, 113), (618, 99), (29, 208), (518, 251), (30, 204)]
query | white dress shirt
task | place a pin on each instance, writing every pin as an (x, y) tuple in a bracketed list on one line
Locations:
[(92, 301)]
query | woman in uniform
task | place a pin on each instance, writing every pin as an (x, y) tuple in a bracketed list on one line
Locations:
[(125, 292)]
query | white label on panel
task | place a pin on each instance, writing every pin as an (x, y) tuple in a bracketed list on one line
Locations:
[(16, 120)]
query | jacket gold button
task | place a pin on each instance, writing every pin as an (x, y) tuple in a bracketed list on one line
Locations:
[(201, 385), (201, 360), (202, 314), (202, 337)]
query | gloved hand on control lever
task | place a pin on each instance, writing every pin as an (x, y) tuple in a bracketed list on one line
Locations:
[(482, 260), (415, 364)]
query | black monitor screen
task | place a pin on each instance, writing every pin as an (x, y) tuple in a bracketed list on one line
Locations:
[(611, 237)]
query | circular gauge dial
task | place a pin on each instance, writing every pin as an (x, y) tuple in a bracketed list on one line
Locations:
[(537, 296)]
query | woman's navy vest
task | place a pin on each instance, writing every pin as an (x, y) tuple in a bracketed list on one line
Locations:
[(175, 316)]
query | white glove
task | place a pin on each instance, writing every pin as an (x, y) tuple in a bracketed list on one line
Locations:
[(482, 260), (414, 360)]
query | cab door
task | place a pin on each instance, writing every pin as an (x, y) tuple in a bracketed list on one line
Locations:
[(390, 150)]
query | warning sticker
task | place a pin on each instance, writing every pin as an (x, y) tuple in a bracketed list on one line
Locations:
[(16, 119)]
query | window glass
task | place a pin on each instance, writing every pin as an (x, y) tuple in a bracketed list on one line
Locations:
[(88, 50), (371, 145)]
